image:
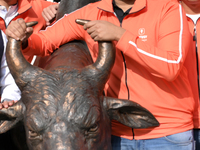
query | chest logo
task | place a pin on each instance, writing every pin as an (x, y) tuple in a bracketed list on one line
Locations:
[(141, 31), (142, 35)]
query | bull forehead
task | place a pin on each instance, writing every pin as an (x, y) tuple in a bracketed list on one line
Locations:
[(58, 87), (59, 127), (82, 114), (67, 97)]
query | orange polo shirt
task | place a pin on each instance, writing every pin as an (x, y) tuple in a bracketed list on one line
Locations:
[(30, 10), (149, 67)]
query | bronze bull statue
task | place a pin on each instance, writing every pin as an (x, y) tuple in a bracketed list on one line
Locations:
[(62, 105)]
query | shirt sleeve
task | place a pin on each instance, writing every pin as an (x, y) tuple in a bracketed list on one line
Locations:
[(62, 31), (166, 57), (9, 89)]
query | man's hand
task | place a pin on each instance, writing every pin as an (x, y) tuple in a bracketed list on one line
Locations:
[(49, 13), (18, 30), (100, 30), (7, 104)]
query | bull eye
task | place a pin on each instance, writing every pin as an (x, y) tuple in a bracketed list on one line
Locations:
[(34, 135), (92, 132), (94, 128)]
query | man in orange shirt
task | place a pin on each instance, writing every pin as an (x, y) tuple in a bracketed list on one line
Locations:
[(152, 39), (30, 11), (192, 9)]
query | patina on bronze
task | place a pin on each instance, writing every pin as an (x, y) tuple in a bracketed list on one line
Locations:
[(62, 105)]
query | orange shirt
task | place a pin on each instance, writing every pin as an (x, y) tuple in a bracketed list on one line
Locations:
[(30, 10), (192, 65), (149, 60)]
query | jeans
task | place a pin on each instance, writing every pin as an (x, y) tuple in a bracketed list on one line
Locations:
[(197, 138), (179, 141)]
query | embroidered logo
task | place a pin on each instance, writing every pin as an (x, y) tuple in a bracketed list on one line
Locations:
[(142, 35), (141, 31)]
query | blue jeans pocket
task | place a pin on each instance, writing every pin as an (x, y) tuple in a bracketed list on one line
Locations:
[(183, 138)]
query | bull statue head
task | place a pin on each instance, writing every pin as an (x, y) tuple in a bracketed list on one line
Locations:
[(63, 107)]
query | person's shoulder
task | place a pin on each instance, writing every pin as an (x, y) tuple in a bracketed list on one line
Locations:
[(163, 3)]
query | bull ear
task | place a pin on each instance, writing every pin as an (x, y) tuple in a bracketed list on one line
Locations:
[(129, 113), (11, 116)]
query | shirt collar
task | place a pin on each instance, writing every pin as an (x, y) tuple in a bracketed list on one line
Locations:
[(9, 14), (24, 5)]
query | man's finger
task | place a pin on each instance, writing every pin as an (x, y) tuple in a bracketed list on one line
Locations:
[(21, 23), (46, 16), (16, 29), (10, 103), (11, 34), (5, 104)]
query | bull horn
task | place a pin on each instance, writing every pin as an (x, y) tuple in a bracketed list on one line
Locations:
[(100, 70), (17, 64)]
